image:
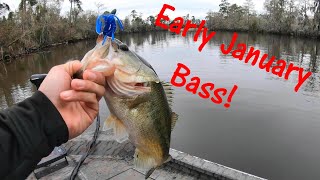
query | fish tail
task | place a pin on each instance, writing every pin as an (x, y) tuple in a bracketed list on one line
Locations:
[(143, 160), (168, 160), (147, 163)]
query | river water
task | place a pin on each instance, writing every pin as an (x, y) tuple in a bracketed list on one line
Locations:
[(269, 130)]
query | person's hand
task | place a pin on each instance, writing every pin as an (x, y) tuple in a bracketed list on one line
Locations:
[(76, 100)]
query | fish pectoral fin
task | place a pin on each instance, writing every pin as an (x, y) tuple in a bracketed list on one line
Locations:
[(174, 119), (119, 130)]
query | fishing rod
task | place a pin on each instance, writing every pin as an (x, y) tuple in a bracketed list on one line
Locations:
[(89, 150)]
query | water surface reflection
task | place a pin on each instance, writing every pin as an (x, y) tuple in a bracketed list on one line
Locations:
[(269, 131)]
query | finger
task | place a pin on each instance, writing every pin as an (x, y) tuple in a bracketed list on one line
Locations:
[(88, 107), (72, 95), (96, 77), (72, 67), (87, 86)]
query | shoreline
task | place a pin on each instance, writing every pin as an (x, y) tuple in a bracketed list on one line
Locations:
[(6, 57)]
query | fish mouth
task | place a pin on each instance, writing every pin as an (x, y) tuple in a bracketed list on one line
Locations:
[(128, 89), (131, 82)]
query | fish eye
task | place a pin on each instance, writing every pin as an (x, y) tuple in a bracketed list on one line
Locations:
[(123, 47)]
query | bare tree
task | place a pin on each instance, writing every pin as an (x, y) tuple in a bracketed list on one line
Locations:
[(100, 7), (224, 7), (248, 7), (316, 10), (23, 8), (72, 14), (4, 7)]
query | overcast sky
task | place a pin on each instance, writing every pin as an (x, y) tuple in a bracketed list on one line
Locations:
[(197, 8)]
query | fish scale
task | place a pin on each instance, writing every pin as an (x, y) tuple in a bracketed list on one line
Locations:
[(137, 101)]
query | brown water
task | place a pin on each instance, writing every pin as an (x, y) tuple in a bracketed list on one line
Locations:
[(269, 131)]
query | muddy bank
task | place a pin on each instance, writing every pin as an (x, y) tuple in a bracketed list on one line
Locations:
[(8, 54)]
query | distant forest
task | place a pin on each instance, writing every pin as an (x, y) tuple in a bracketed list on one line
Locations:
[(39, 23)]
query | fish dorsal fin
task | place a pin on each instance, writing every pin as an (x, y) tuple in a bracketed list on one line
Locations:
[(118, 127), (169, 94), (167, 87), (174, 119)]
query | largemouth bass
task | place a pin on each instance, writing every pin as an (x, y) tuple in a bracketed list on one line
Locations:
[(137, 101)]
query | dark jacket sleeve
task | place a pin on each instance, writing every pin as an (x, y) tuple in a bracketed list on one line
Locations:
[(29, 131)]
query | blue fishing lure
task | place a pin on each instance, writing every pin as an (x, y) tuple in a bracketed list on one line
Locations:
[(106, 25)]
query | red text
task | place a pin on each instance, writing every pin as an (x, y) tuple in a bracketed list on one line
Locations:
[(206, 90), (178, 23)]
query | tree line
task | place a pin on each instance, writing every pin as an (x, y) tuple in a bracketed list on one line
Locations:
[(40, 23), (293, 17)]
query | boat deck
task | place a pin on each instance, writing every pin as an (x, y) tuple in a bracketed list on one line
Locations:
[(112, 160)]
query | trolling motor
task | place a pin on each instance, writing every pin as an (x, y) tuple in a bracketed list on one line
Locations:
[(58, 153)]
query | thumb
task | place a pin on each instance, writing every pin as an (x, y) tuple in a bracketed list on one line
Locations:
[(72, 67)]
